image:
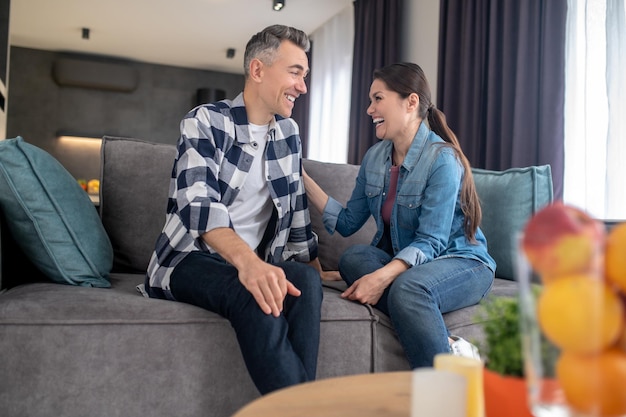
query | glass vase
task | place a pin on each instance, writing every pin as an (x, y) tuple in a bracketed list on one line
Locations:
[(594, 387)]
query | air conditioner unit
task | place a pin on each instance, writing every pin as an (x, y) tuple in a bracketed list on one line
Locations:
[(96, 74)]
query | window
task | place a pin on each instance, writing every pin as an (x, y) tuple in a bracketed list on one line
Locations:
[(331, 84), (595, 107)]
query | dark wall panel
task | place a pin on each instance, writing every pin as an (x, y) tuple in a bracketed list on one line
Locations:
[(39, 108)]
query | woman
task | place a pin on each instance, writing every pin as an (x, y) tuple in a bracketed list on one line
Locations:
[(428, 256)]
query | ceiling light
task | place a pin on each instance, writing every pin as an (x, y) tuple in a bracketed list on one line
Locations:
[(279, 4)]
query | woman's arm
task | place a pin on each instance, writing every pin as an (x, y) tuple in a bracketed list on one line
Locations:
[(316, 196)]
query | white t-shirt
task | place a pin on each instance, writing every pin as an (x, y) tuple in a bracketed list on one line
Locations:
[(252, 209)]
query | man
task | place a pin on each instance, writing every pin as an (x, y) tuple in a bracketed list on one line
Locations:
[(237, 238)]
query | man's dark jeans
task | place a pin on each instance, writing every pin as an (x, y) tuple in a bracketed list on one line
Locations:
[(278, 351)]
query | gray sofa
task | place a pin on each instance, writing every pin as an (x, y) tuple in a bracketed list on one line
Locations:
[(73, 350)]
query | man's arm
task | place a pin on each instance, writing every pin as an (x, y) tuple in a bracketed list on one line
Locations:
[(267, 283)]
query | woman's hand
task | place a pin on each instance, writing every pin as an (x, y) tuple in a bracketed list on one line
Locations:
[(369, 288)]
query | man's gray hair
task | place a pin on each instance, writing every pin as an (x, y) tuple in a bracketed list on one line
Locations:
[(264, 44)]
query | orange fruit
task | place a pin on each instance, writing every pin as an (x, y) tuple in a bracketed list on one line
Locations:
[(594, 384), (615, 256), (580, 313)]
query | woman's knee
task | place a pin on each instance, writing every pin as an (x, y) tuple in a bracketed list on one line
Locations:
[(406, 294), (356, 255)]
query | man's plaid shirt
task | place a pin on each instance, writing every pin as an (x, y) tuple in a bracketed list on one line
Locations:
[(214, 156)]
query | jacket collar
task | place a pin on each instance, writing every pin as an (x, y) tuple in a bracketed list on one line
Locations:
[(416, 149)]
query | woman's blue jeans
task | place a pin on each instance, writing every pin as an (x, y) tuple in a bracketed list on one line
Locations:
[(278, 351), (418, 297)]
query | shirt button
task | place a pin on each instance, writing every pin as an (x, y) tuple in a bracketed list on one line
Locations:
[(278, 205), (255, 145)]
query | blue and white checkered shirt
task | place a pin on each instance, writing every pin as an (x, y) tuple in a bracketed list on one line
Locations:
[(214, 156)]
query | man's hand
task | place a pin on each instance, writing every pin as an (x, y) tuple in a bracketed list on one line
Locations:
[(268, 285)]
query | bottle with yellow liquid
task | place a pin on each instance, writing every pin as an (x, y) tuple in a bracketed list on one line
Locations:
[(472, 370)]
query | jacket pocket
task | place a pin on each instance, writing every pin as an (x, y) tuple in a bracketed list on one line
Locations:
[(373, 191)]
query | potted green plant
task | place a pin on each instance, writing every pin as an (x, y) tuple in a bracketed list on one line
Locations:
[(502, 345), (505, 386), (501, 349)]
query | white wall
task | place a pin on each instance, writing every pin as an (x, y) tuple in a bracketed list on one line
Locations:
[(420, 35)]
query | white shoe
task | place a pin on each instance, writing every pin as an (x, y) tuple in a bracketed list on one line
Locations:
[(461, 347)]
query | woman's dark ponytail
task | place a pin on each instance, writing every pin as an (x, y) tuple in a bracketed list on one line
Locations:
[(470, 203), (407, 78)]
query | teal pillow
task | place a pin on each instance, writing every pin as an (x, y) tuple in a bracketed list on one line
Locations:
[(508, 199), (51, 217)]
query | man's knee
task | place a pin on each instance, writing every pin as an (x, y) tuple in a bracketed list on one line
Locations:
[(305, 278)]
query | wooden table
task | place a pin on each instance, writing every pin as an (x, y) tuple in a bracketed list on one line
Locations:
[(385, 394)]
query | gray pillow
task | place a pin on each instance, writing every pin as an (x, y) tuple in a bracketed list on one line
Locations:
[(51, 217), (133, 197), (508, 199)]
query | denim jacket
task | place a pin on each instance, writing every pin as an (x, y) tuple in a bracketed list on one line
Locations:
[(427, 220)]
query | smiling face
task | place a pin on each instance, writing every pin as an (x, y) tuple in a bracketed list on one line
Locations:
[(274, 86), (392, 115)]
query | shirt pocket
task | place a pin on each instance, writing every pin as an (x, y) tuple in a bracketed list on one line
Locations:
[(409, 207), (294, 182)]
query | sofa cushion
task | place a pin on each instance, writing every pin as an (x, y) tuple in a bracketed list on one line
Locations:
[(508, 199), (133, 197), (51, 218), (336, 180), (125, 347)]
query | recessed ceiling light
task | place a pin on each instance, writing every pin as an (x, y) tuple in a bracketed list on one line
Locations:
[(279, 4)]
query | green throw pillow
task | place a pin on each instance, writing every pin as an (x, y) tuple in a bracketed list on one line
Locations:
[(508, 199), (51, 217)]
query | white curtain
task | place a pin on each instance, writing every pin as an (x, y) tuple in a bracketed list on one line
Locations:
[(331, 78), (595, 107)]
